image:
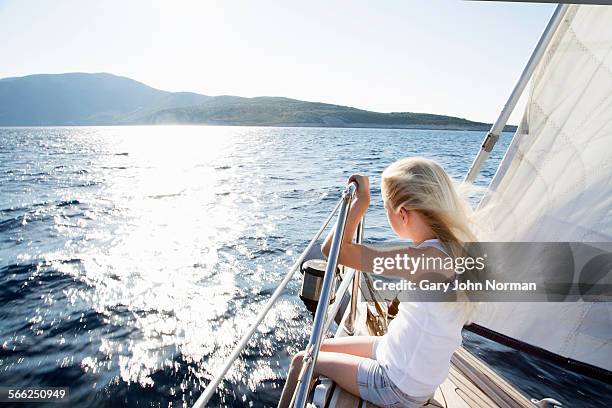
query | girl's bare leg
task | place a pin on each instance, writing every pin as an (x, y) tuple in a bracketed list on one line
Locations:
[(340, 368), (355, 345), (338, 360)]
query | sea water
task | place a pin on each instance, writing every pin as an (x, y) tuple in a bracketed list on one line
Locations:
[(133, 258)]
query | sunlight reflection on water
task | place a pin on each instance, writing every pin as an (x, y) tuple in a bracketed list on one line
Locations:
[(166, 262)]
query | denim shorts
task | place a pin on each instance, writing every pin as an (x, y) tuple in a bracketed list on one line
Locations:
[(376, 387)]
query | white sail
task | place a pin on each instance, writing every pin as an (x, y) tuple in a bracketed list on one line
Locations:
[(555, 183)]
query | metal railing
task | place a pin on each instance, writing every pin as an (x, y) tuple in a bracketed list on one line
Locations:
[(316, 336), (320, 324)]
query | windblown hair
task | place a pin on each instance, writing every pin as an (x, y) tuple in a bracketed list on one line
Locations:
[(422, 185)]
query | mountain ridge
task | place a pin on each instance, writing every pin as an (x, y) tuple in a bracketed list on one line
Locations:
[(82, 99)]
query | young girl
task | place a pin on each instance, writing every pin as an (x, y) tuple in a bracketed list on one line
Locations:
[(404, 367)]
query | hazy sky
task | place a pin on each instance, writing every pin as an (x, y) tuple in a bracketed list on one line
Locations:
[(459, 58)]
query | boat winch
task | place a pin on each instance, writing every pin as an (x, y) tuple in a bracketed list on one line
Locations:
[(314, 271)]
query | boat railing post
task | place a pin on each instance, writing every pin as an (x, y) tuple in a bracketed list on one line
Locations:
[(349, 323), (316, 336)]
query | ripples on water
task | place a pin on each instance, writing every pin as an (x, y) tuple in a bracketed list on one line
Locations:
[(132, 258)]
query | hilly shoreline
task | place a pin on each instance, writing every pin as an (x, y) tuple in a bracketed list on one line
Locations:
[(81, 99)]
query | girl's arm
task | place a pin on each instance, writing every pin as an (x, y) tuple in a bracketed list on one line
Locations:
[(391, 262)]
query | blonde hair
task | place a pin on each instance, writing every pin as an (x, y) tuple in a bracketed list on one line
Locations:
[(422, 185)]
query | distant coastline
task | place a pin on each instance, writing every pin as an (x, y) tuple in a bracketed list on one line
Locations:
[(82, 99)]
